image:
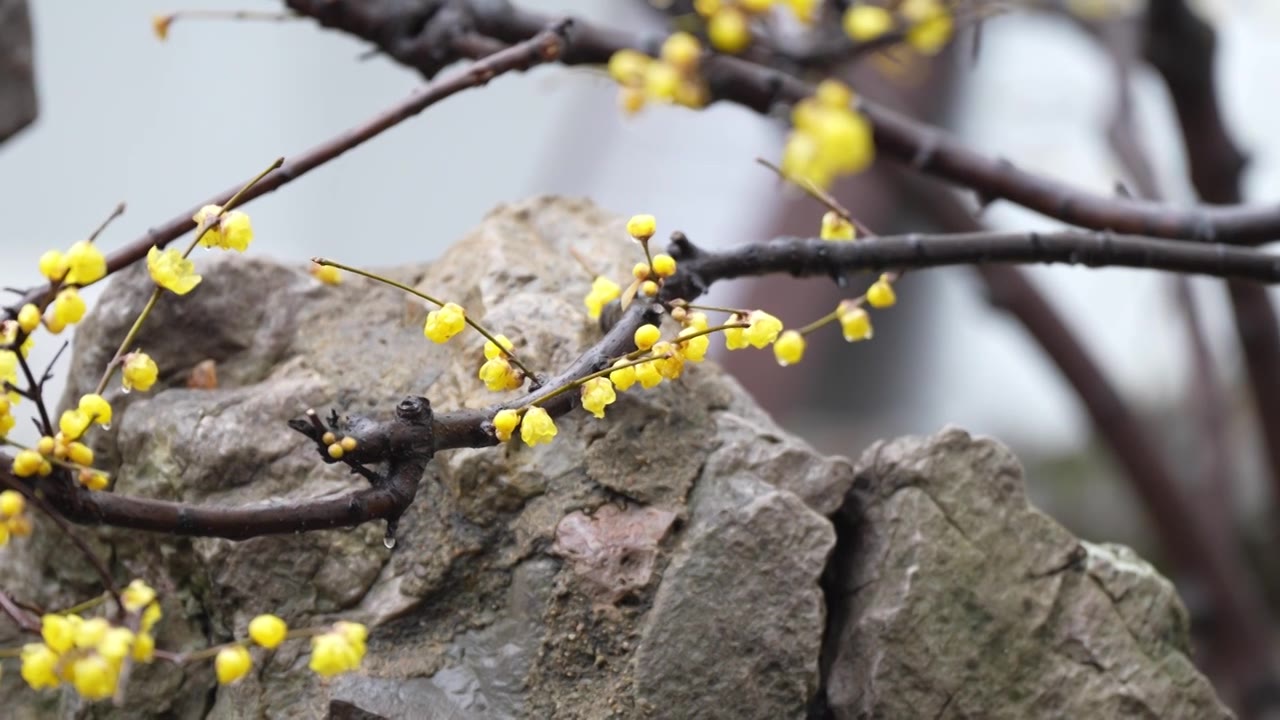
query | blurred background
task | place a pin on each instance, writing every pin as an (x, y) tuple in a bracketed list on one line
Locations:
[(162, 125)]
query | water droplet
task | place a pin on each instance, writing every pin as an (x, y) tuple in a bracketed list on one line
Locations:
[(126, 390), (106, 426), (389, 541)]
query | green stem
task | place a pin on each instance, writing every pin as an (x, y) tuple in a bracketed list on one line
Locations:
[(439, 303), (86, 605), (584, 380), (822, 321), (202, 227), (714, 308), (10, 652)]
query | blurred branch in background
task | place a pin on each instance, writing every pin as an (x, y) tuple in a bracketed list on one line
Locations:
[(17, 72)]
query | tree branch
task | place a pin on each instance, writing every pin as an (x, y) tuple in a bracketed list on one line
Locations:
[(404, 29)]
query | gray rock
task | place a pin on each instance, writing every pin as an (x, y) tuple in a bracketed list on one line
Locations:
[(668, 561), (524, 580), (956, 599), (745, 586)]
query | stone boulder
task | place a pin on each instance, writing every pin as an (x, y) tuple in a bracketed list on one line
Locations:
[(673, 560)]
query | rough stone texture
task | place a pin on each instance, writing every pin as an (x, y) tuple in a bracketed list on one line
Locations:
[(670, 561), (477, 611), (953, 598), (17, 73)]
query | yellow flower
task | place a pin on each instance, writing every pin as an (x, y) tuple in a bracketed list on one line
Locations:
[(354, 633), (53, 265), (646, 335), (93, 480), (623, 378), (29, 318), (89, 633), (171, 271), (855, 322), (444, 323), (537, 427), (227, 230), (11, 503), (40, 666), (681, 51), (648, 375), (492, 351), (596, 394), (729, 31), (59, 631), (80, 454), (232, 663), (116, 644), (327, 274), (735, 338), (26, 463), (706, 8), (151, 616), (93, 677), (880, 294), (505, 423), (268, 630), (73, 423), (85, 264), (764, 329), (627, 67), (640, 271), (664, 265), (661, 82), (864, 23), (642, 227), (498, 375), (789, 348), (931, 25), (694, 349), (140, 372), (144, 648), (649, 288), (603, 292), (68, 307), (137, 595), (96, 408), (332, 653), (835, 227)]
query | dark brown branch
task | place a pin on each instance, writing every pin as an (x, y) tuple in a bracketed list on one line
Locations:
[(24, 619), (402, 28), (1178, 522), (1181, 47), (808, 257)]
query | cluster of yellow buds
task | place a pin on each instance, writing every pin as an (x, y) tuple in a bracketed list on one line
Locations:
[(670, 78), (497, 372), (729, 21), (338, 446), (338, 649), (829, 138), (603, 292), (64, 451), (655, 360), (83, 263), (14, 521), (7, 420), (88, 653), (927, 25)]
